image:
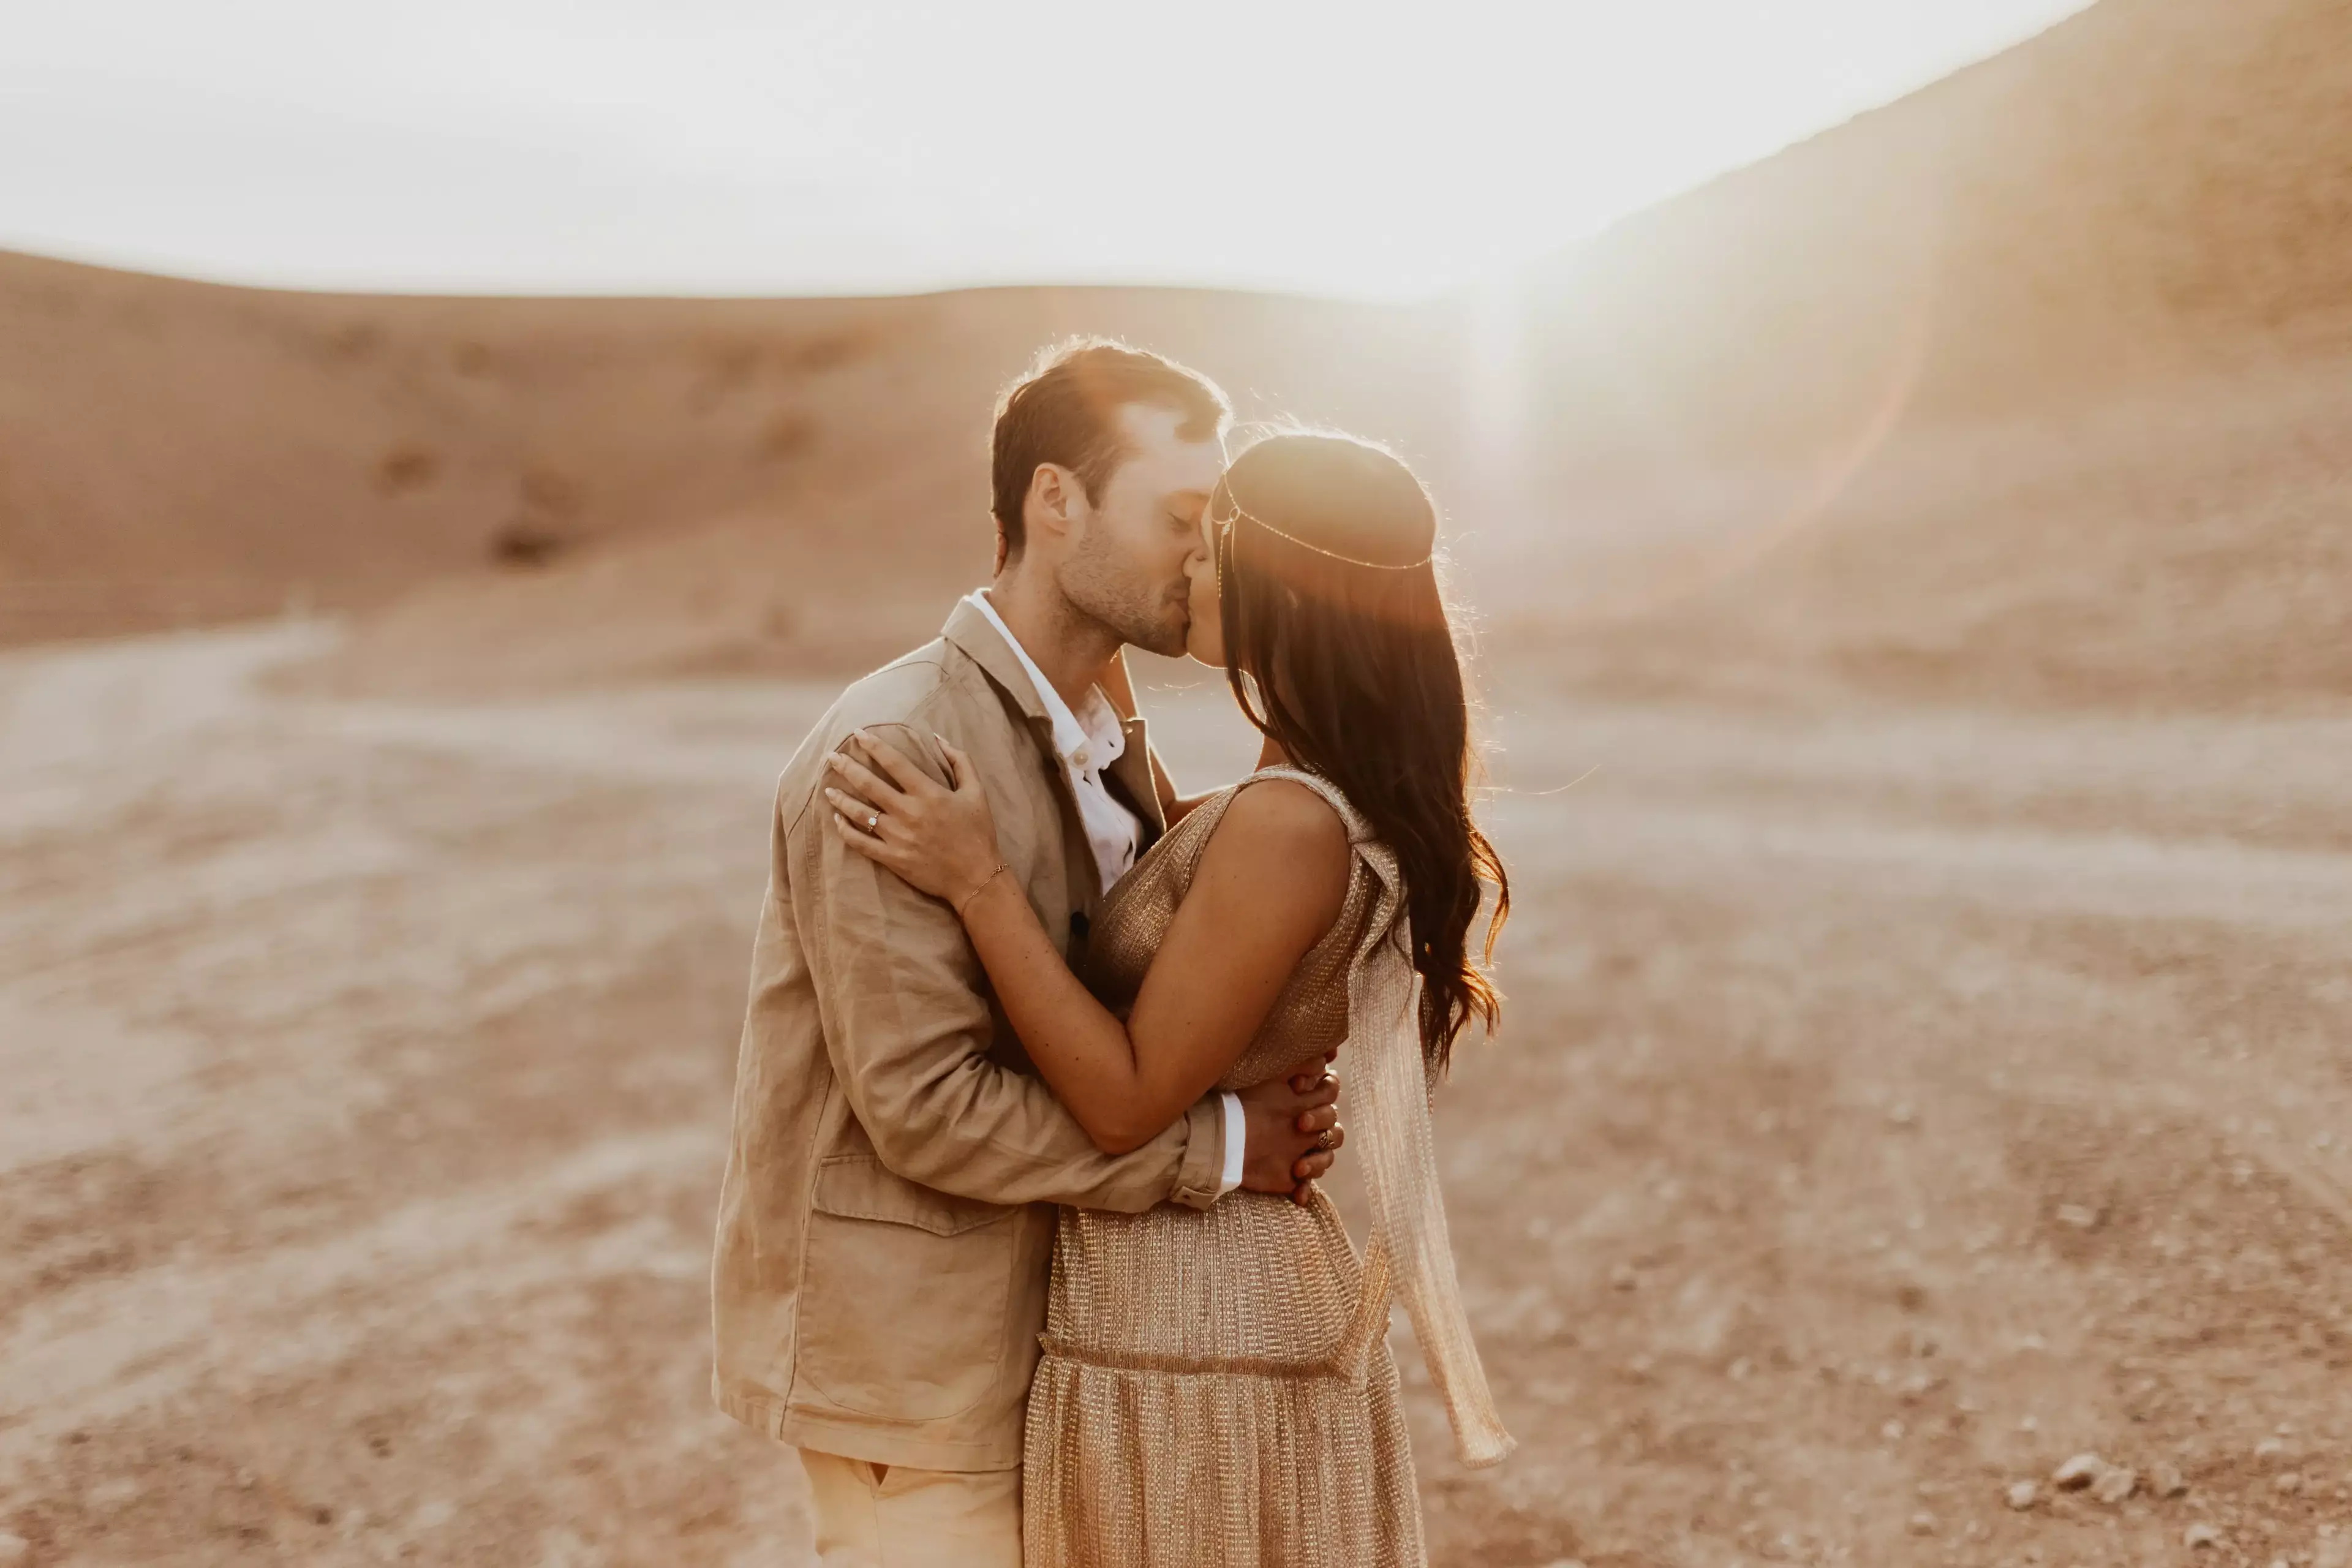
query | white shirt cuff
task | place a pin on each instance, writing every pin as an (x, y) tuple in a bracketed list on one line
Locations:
[(1236, 1143)]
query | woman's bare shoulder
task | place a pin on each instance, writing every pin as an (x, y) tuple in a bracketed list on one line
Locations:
[(1283, 841), (1285, 809)]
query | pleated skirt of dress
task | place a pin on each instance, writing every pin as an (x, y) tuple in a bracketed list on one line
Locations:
[(1210, 1397)]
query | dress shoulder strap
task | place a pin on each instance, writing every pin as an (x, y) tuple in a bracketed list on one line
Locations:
[(1360, 831), (1174, 860)]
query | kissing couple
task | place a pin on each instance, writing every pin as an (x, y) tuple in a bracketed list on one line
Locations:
[(1020, 1244)]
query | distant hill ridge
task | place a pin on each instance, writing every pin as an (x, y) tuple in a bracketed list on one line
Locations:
[(2154, 195)]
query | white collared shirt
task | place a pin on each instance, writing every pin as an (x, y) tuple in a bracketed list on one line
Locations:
[(1086, 742)]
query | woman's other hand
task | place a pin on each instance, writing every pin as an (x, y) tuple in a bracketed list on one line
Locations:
[(940, 838), (1294, 1132)]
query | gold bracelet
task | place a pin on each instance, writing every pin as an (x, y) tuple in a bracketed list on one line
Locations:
[(965, 902)]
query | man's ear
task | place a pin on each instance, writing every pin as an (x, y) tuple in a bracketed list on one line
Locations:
[(1055, 500)]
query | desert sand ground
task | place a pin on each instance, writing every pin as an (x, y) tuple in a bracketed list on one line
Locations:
[(1914, 571), (1893, 1104)]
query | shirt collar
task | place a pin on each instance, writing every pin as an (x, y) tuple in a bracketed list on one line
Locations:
[(1089, 742)]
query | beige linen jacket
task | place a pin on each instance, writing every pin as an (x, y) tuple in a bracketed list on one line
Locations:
[(886, 1226)]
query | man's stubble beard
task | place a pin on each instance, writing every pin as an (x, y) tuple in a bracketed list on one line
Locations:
[(1099, 586)]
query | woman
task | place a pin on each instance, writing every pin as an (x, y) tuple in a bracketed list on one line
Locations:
[(1217, 1387)]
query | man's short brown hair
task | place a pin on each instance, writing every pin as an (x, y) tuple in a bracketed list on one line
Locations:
[(1065, 411)]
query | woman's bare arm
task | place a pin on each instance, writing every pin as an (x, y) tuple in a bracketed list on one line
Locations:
[(1270, 882)]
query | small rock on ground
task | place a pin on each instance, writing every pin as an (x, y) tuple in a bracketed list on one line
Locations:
[(2078, 1472)]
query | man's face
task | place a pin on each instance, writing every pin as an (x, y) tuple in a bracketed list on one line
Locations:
[(1129, 551)]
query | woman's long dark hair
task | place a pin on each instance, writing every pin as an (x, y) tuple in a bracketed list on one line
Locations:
[(1338, 647)]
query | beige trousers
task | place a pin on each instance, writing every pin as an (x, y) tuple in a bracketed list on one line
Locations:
[(910, 1518)]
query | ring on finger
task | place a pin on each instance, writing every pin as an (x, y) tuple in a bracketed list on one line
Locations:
[(1328, 1139)]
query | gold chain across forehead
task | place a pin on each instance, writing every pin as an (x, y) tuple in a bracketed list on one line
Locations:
[(1238, 514)]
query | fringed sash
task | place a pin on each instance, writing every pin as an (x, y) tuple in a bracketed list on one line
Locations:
[(1390, 1085)]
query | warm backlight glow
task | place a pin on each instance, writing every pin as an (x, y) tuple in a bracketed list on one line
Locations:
[(729, 145)]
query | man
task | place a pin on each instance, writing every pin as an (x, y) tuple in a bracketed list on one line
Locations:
[(886, 1229)]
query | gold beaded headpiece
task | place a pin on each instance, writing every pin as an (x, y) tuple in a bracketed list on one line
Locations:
[(1239, 513)]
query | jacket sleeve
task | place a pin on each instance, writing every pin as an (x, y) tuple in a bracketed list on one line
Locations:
[(901, 996)]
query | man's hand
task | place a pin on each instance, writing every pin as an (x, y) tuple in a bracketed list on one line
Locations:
[(1294, 1132)]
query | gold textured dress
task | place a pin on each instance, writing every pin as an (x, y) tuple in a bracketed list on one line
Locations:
[(1216, 1390)]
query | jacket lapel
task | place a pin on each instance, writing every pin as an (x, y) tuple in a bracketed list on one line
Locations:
[(1131, 775), (971, 632)]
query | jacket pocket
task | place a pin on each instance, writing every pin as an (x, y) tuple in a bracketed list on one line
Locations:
[(905, 1295)]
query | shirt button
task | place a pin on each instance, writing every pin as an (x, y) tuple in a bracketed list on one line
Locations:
[(1080, 758)]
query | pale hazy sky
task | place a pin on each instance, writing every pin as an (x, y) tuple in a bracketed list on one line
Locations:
[(768, 146)]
